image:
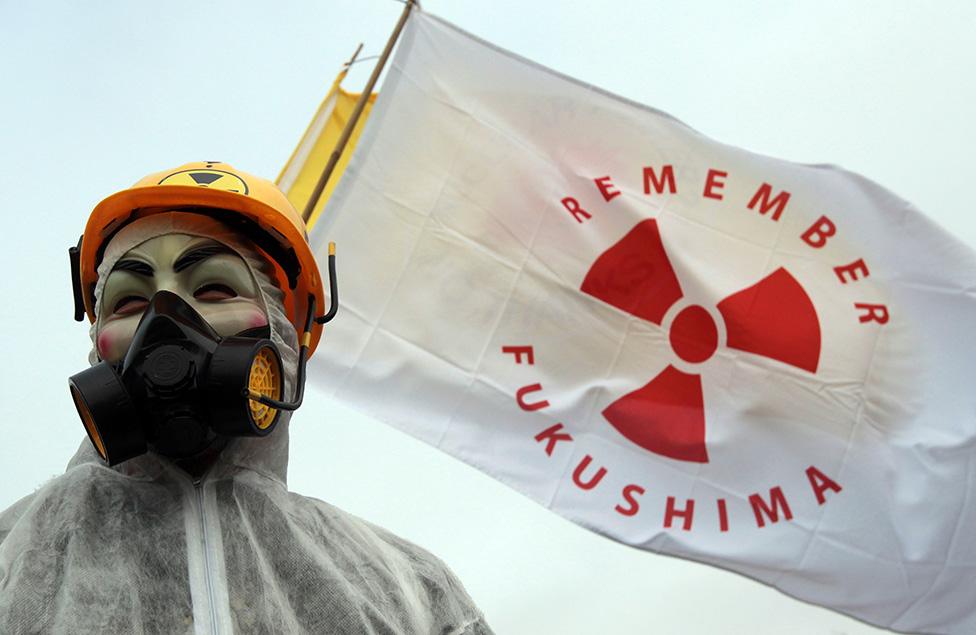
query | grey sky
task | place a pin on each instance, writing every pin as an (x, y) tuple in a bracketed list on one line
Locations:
[(95, 95)]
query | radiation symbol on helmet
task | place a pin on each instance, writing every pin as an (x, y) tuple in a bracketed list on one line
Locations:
[(207, 177)]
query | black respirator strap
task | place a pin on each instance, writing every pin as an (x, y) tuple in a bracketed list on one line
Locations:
[(74, 256)]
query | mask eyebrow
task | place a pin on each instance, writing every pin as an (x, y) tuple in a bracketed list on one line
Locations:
[(134, 266), (194, 256)]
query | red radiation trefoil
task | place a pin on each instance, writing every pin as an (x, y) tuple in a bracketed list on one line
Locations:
[(773, 318)]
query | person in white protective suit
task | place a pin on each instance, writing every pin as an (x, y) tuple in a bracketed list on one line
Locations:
[(174, 516)]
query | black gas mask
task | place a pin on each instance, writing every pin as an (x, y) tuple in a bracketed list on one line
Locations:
[(180, 387)]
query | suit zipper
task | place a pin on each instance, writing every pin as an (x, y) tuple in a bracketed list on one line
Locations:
[(208, 560)]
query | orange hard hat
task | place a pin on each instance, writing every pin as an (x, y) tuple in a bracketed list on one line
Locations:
[(252, 205)]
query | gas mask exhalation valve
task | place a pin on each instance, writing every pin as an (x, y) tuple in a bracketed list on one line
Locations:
[(180, 387)]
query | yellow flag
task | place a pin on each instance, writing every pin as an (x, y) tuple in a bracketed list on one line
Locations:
[(302, 171)]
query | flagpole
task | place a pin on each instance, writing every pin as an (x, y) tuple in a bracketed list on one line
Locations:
[(356, 112)]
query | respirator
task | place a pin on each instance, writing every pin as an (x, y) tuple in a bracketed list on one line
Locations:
[(181, 386)]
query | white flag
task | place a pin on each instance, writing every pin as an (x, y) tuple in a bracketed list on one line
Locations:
[(679, 344)]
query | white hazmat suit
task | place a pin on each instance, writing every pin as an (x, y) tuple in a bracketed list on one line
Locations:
[(143, 547)]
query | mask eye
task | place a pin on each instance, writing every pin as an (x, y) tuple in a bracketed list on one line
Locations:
[(214, 292), (130, 304)]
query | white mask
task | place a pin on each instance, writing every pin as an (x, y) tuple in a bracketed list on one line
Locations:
[(209, 276)]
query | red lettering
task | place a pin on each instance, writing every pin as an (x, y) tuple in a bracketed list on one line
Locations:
[(819, 232), (604, 185), (713, 183), (630, 493), (518, 351), (667, 177), (523, 404), (777, 500), (872, 313), (574, 208), (594, 480), (685, 514), (762, 197), (552, 436), (820, 483), (723, 515), (852, 269)]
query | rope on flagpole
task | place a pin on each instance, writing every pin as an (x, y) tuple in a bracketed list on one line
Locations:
[(357, 111), (352, 60), (366, 59)]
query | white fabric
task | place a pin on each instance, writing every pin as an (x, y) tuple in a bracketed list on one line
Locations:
[(142, 548), (455, 208)]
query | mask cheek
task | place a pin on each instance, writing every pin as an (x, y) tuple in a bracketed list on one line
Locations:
[(258, 319), (232, 318), (113, 339)]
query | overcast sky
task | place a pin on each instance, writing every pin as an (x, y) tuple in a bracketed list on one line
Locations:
[(95, 95)]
